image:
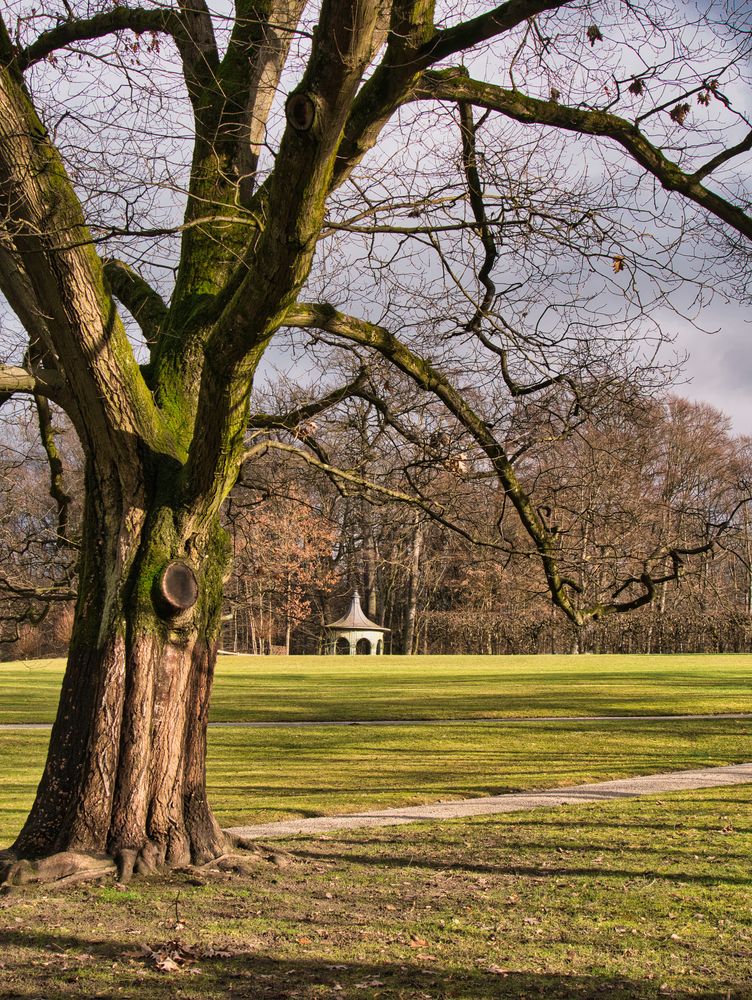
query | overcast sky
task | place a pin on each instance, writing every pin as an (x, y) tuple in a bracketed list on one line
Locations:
[(719, 367)]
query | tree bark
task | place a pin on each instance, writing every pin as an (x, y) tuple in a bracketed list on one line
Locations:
[(370, 578), (411, 611), (125, 773)]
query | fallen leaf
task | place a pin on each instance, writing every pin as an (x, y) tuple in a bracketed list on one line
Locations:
[(167, 965)]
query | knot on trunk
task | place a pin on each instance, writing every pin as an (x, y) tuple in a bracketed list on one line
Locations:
[(177, 588), (300, 110)]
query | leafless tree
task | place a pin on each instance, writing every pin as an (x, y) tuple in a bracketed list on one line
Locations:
[(224, 178)]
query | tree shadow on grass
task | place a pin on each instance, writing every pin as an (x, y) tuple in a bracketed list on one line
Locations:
[(58, 967), (521, 871)]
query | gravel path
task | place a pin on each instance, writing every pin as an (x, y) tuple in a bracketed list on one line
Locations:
[(602, 791), (512, 720)]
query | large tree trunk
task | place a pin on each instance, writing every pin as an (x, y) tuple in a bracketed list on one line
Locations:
[(125, 772)]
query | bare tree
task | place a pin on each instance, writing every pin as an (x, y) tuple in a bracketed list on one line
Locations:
[(271, 132)]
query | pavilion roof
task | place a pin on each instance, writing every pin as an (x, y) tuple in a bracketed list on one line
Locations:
[(356, 619)]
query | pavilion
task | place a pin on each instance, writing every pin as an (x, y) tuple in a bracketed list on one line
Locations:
[(354, 633)]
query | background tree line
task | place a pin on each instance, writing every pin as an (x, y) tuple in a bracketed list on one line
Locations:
[(436, 555)]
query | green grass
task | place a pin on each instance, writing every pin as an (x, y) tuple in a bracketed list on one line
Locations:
[(633, 901), (318, 688), (259, 775)]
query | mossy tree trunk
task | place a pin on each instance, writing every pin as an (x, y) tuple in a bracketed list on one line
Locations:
[(125, 771), (164, 442)]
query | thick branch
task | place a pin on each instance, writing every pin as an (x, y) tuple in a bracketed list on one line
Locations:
[(325, 317), (455, 85), (39, 383), (677, 554), (18, 290), (119, 18), (139, 298), (194, 37), (413, 46), (250, 75), (480, 29), (277, 265)]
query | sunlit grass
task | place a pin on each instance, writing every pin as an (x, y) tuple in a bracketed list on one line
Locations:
[(318, 688), (258, 775), (633, 899), (629, 900)]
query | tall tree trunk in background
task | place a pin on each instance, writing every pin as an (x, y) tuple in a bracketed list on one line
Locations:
[(747, 559), (413, 585), (370, 571)]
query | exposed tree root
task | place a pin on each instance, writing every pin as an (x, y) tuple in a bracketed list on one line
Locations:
[(64, 867), (68, 867)]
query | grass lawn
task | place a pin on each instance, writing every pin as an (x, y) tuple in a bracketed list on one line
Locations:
[(644, 899), (320, 688), (258, 775)]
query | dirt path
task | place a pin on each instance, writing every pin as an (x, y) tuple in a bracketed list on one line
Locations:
[(623, 788)]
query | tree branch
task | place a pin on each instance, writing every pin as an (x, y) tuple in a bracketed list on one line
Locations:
[(193, 32), (414, 45), (62, 498), (68, 290), (294, 418), (477, 204), (677, 554), (249, 75), (143, 303), (363, 482), (455, 85), (480, 29), (48, 384), (276, 266), (37, 593), (516, 389), (728, 154), (119, 18), (325, 317)]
